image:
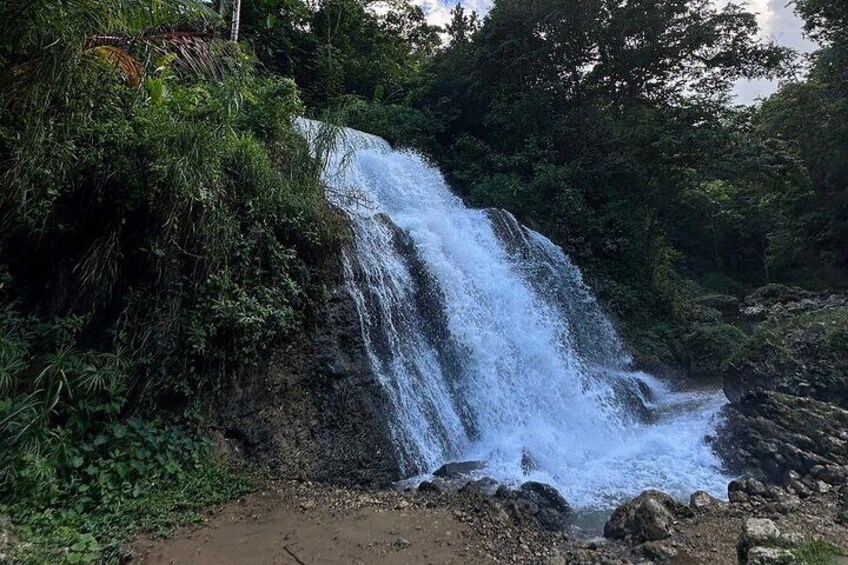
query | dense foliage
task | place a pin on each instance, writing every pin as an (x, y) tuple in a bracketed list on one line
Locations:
[(162, 228), (611, 128)]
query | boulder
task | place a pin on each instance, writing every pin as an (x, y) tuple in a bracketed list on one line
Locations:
[(648, 517), (318, 411), (458, 469), (431, 487), (544, 495), (757, 532), (804, 353), (537, 502), (702, 501), (553, 508)]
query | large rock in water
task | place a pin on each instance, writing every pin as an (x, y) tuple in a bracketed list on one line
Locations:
[(648, 517), (458, 469), (319, 411), (771, 434), (535, 501)]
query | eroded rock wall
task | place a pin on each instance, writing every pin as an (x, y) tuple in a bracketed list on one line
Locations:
[(318, 412)]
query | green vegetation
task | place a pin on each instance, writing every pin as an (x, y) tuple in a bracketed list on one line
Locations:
[(817, 552), (610, 128), (709, 346), (830, 328), (163, 226)]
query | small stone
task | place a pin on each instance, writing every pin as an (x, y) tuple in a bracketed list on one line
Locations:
[(401, 543), (770, 556), (307, 505), (658, 551)]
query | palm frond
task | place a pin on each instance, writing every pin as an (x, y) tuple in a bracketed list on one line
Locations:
[(130, 68)]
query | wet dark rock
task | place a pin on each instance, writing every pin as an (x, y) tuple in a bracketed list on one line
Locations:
[(458, 469), (545, 496), (770, 434), (318, 411), (487, 485), (430, 487), (648, 517), (536, 502), (528, 464)]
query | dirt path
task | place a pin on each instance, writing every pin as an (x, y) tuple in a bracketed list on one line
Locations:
[(308, 524)]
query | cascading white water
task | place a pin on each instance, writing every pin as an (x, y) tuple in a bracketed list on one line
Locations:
[(491, 347)]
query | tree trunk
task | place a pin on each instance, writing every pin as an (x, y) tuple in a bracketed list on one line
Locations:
[(234, 31)]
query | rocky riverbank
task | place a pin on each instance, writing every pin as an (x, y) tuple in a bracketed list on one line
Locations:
[(785, 429), (308, 523)]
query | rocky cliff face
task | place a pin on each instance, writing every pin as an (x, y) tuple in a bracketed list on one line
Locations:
[(801, 349), (318, 412), (770, 434), (788, 388)]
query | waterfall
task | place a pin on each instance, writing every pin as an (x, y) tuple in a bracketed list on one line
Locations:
[(490, 345)]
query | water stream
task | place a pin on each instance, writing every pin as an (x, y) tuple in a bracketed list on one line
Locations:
[(491, 346)]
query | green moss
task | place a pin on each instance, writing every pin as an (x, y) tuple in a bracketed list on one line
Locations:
[(710, 346), (817, 552)]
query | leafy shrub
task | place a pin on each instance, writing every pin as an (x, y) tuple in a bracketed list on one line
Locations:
[(81, 506), (162, 227), (710, 346)]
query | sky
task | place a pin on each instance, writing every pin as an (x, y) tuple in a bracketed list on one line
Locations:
[(777, 21)]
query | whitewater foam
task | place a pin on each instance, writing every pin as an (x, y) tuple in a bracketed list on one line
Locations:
[(491, 346)]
